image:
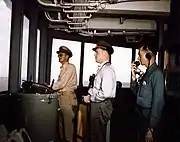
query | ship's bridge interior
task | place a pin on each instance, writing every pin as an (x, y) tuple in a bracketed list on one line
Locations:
[(33, 30)]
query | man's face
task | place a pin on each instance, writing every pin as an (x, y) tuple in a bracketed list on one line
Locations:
[(99, 55), (63, 57), (141, 56)]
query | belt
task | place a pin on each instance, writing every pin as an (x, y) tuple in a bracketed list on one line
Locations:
[(60, 91), (106, 100), (66, 92)]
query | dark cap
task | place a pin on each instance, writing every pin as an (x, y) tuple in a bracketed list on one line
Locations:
[(66, 50), (105, 46)]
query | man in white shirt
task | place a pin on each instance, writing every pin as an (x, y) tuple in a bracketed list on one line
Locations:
[(102, 93)]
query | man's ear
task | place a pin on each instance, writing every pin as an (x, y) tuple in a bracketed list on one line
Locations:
[(106, 53), (67, 57), (148, 56)]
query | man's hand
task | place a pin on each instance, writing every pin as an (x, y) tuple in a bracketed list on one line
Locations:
[(149, 136), (86, 99), (133, 71), (47, 84)]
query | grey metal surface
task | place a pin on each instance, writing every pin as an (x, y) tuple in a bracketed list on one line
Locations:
[(41, 116)]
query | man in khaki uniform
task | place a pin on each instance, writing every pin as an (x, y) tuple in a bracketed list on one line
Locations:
[(66, 84)]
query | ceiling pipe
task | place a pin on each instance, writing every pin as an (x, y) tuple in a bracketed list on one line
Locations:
[(77, 28), (54, 20), (80, 11), (82, 31), (79, 17), (72, 23), (70, 5), (90, 3), (94, 4), (53, 5), (112, 33)]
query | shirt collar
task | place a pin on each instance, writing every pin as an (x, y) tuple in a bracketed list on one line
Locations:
[(152, 67), (101, 64), (64, 65)]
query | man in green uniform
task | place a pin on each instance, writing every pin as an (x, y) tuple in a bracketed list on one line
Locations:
[(149, 92)]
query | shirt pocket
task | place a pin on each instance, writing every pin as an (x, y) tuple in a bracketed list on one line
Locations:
[(145, 95)]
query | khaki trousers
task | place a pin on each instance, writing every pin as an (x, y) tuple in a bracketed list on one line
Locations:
[(68, 107)]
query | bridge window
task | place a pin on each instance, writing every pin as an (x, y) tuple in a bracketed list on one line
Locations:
[(5, 28), (37, 54), (74, 46), (121, 60), (25, 48), (90, 66)]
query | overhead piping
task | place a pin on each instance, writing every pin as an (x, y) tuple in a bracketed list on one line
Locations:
[(53, 5), (90, 3), (79, 17), (94, 4), (72, 23), (79, 11), (77, 28), (79, 25), (54, 20)]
